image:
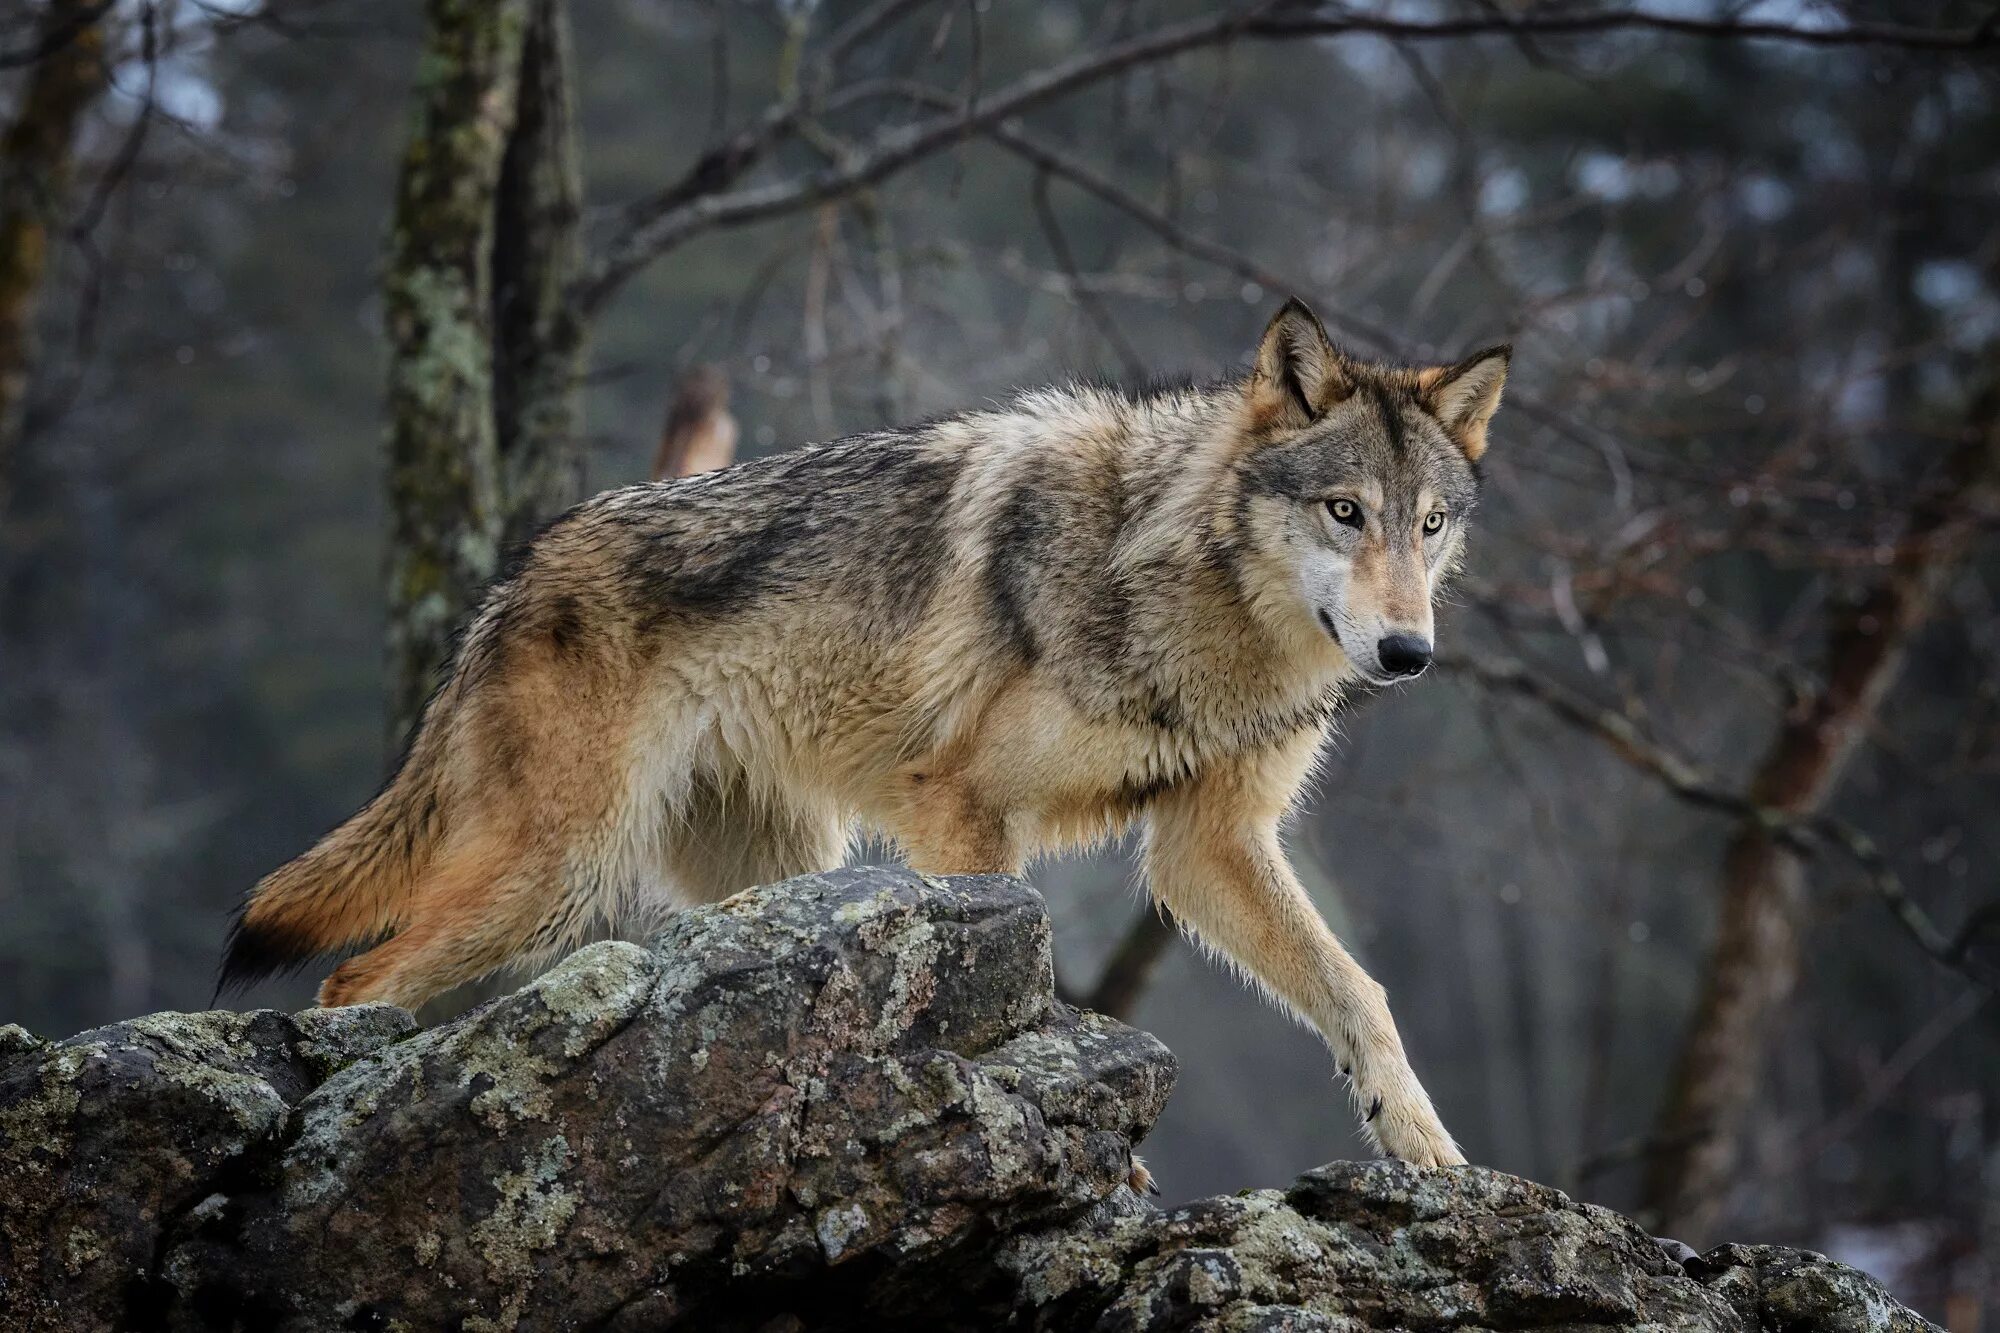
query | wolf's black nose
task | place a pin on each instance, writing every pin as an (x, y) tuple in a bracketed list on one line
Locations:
[(1404, 654)]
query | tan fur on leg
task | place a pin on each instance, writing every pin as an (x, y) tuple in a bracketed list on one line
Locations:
[(947, 829), (477, 910), (1214, 859)]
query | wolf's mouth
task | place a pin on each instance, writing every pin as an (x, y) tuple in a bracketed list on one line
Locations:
[(1360, 668)]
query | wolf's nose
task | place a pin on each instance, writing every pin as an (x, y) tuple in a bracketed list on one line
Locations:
[(1404, 654)]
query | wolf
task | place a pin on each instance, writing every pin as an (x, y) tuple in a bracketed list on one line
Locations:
[(1001, 634)]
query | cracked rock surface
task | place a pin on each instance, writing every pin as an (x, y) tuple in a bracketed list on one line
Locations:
[(846, 1102), (1383, 1245), (111, 1137)]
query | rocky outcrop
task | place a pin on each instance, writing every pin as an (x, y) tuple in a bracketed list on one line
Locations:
[(849, 1101), (1383, 1245), (109, 1139)]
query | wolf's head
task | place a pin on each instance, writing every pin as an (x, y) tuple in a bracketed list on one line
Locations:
[(1357, 483)]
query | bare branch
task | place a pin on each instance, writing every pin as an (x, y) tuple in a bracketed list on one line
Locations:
[(1093, 309), (55, 36), (1894, 1071), (1058, 163), (1804, 833), (1129, 969), (879, 17), (693, 206)]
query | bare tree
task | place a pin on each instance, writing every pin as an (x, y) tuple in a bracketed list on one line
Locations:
[(481, 410), (1754, 959), (477, 460), (35, 169)]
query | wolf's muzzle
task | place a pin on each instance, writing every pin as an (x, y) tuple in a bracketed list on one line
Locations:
[(1403, 654)]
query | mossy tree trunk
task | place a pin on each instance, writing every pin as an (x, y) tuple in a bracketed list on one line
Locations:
[(481, 378), (1754, 960), (538, 346), (35, 161)]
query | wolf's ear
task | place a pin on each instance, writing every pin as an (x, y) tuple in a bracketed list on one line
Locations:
[(1298, 373), (1464, 397)]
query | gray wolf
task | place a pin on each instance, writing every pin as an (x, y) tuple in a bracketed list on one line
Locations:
[(1001, 634)]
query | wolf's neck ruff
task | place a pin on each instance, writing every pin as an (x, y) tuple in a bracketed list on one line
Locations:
[(1001, 633)]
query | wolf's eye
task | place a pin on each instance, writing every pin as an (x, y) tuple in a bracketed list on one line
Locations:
[(1345, 511), (1434, 523)]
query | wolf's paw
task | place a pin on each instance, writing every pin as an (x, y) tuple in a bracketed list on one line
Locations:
[(1141, 1180), (1432, 1152), (1411, 1131)]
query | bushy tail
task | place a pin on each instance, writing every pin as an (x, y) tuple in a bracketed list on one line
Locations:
[(353, 885)]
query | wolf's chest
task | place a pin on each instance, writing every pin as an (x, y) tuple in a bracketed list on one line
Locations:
[(1167, 750)]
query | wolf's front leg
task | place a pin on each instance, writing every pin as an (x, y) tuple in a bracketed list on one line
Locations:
[(1213, 857)]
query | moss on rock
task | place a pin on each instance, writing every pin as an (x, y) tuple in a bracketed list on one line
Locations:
[(846, 1102)]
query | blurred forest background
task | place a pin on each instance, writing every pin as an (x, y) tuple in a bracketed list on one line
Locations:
[(1681, 871)]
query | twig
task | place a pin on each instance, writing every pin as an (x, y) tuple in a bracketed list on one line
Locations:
[(1805, 834), (1058, 163), (698, 203), (1129, 969), (877, 18), (54, 37), (1087, 300), (1889, 1077)]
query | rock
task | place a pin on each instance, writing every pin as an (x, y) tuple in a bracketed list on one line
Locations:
[(1385, 1245), (846, 1102), (1790, 1290), (15, 1039), (1679, 1251), (105, 1139), (857, 1071)]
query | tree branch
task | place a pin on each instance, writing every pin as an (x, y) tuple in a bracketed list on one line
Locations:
[(1133, 960), (1086, 300), (693, 206), (1806, 834), (56, 35), (1055, 162)]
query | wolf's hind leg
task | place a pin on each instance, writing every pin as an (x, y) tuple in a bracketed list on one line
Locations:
[(483, 904), (723, 837)]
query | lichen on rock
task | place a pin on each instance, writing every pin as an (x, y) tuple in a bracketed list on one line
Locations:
[(850, 1101), (106, 1139), (1384, 1245)]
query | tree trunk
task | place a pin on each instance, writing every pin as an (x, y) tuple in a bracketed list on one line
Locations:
[(482, 380), (34, 184), (538, 346), (444, 472), (1129, 969), (1755, 957)]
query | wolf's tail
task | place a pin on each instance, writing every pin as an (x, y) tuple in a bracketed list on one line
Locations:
[(353, 885)]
